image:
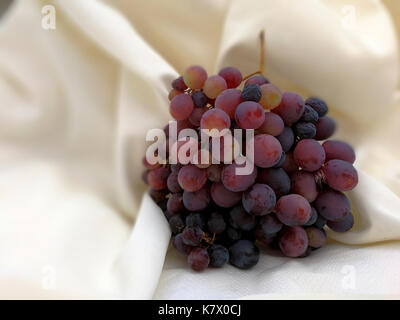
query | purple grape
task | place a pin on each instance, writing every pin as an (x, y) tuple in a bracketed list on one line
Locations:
[(197, 115), (179, 84), (286, 139), (249, 115), (251, 92), (181, 107), (216, 223), (273, 124), (281, 161), (233, 234), (316, 237), (343, 225), (157, 178), (180, 246), (260, 80), (265, 239), (267, 150), (332, 205), (158, 195), (259, 199), (224, 197), (228, 100), (303, 183), (309, 155), (340, 175), (192, 236), (244, 254), (195, 220), (199, 99), (326, 127), (235, 182), (219, 255), (269, 224), (335, 149), (176, 167), (176, 224), (293, 210), (291, 108), (309, 115), (198, 259), (175, 204), (240, 219), (232, 76), (289, 165), (305, 130), (318, 105), (320, 222), (293, 241), (197, 200), (313, 218), (192, 178), (277, 179), (172, 183)]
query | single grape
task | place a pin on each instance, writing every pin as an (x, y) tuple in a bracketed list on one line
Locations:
[(197, 115), (267, 150), (158, 195), (318, 105), (289, 165), (219, 255), (199, 99), (271, 96), (198, 259), (332, 205), (291, 108), (233, 234), (176, 224), (309, 115), (309, 155), (240, 219), (335, 149), (251, 92), (175, 204), (224, 197), (179, 84), (293, 210), (234, 182), (172, 183), (213, 86), (320, 222), (157, 178), (259, 199), (192, 236), (215, 119), (293, 241), (325, 127), (273, 124), (303, 183), (270, 224), (277, 179), (232, 76), (249, 115), (214, 172), (195, 219), (197, 200), (340, 175), (194, 77), (305, 130), (173, 93), (316, 237), (216, 223), (192, 178), (281, 161), (260, 80), (244, 254), (286, 139), (180, 246), (313, 219), (343, 225), (228, 100), (181, 107)]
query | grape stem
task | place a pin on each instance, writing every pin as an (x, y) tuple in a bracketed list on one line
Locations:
[(262, 57)]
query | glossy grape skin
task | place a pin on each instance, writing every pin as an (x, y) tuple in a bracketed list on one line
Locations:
[(318, 105), (291, 108), (309, 155), (232, 76), (198, 259), (320, 222), (267, 150), (289, 165), (293, 210), (343, 225), (259, 199), (176, 224), (228, 100), (249, 115), (199, 99), (219, 255), (214, 172), (286, 138), (180, 246), (216, 223), (276, 178), (215, 119), (316, 237), (179, 84), (197, 200), (325, 127), (251, 92), (244, 254), (309, 115), (340, 175), (224, 197), (234, 182), (240, 219), (332, 205), (192, 178), (303, 183), (305, 130), (157, 178), (313, 219), (192, 236), (271, 96), (195, 219), (197, 115), (213, 86), (181, 107), (173, 93), (260, 80), (293, 241), (335, 149), (194, 77), (273, 124), (175, 204), (172, 183)]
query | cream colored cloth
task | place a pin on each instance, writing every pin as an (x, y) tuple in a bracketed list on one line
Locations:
[(77, 101)]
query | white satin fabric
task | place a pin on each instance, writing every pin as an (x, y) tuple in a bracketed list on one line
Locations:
[(76, 103)]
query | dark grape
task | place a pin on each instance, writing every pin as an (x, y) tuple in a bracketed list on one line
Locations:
[(232, 76), (281, 161), (326, 127), (180, 246), (216, 223), (309, 155), (290, 165), (291, 108), (320, 222), (286, 138), (343, 225), (192, 178), (192, 236), (318, 105), (309, 115), (175, 204), (303, 183), (259, 199), (335, 149), (214, 172), (195, 220), (293, 241), (219, 255), (179, 84), (198, 259), (293, 210), (176, 224), (197, 200), (176, 167), (234, 182), (277, 179), (199, 99), (172, 183), (224, 197), (340, 175), (197, 115), (158, 195), (316, 237), (244, 254), (332, 205), (313, 219), (240, 219), (269, 224), (251, 92), (305, 130), (157, 178)]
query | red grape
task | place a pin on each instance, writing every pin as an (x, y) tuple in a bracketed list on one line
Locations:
[(194, 77), (215, 119), (244, 254), (196, 115), (234, 182), (181, 106), (179, 84), (249, 115), (180, 246), (172, 183), (232, 76), (335, 149), (267, 150), (192, 178), (216, 223), (198, 259), (224, 197), (309, 155), (276, 178), (340, 175), (260, 80), (157, 178), (290, 165), (197, 200), (259, 199), (175, 204), (286, 138), (214, 173), (273, 124), (173, 93), (326, 127), (303, 183), (291, 108), (332, 205), (240, 219), (228, 100), (293, 210), (293, 241), (213, 86)]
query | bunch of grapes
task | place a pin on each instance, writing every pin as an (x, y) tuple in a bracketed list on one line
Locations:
[(293, 192)]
